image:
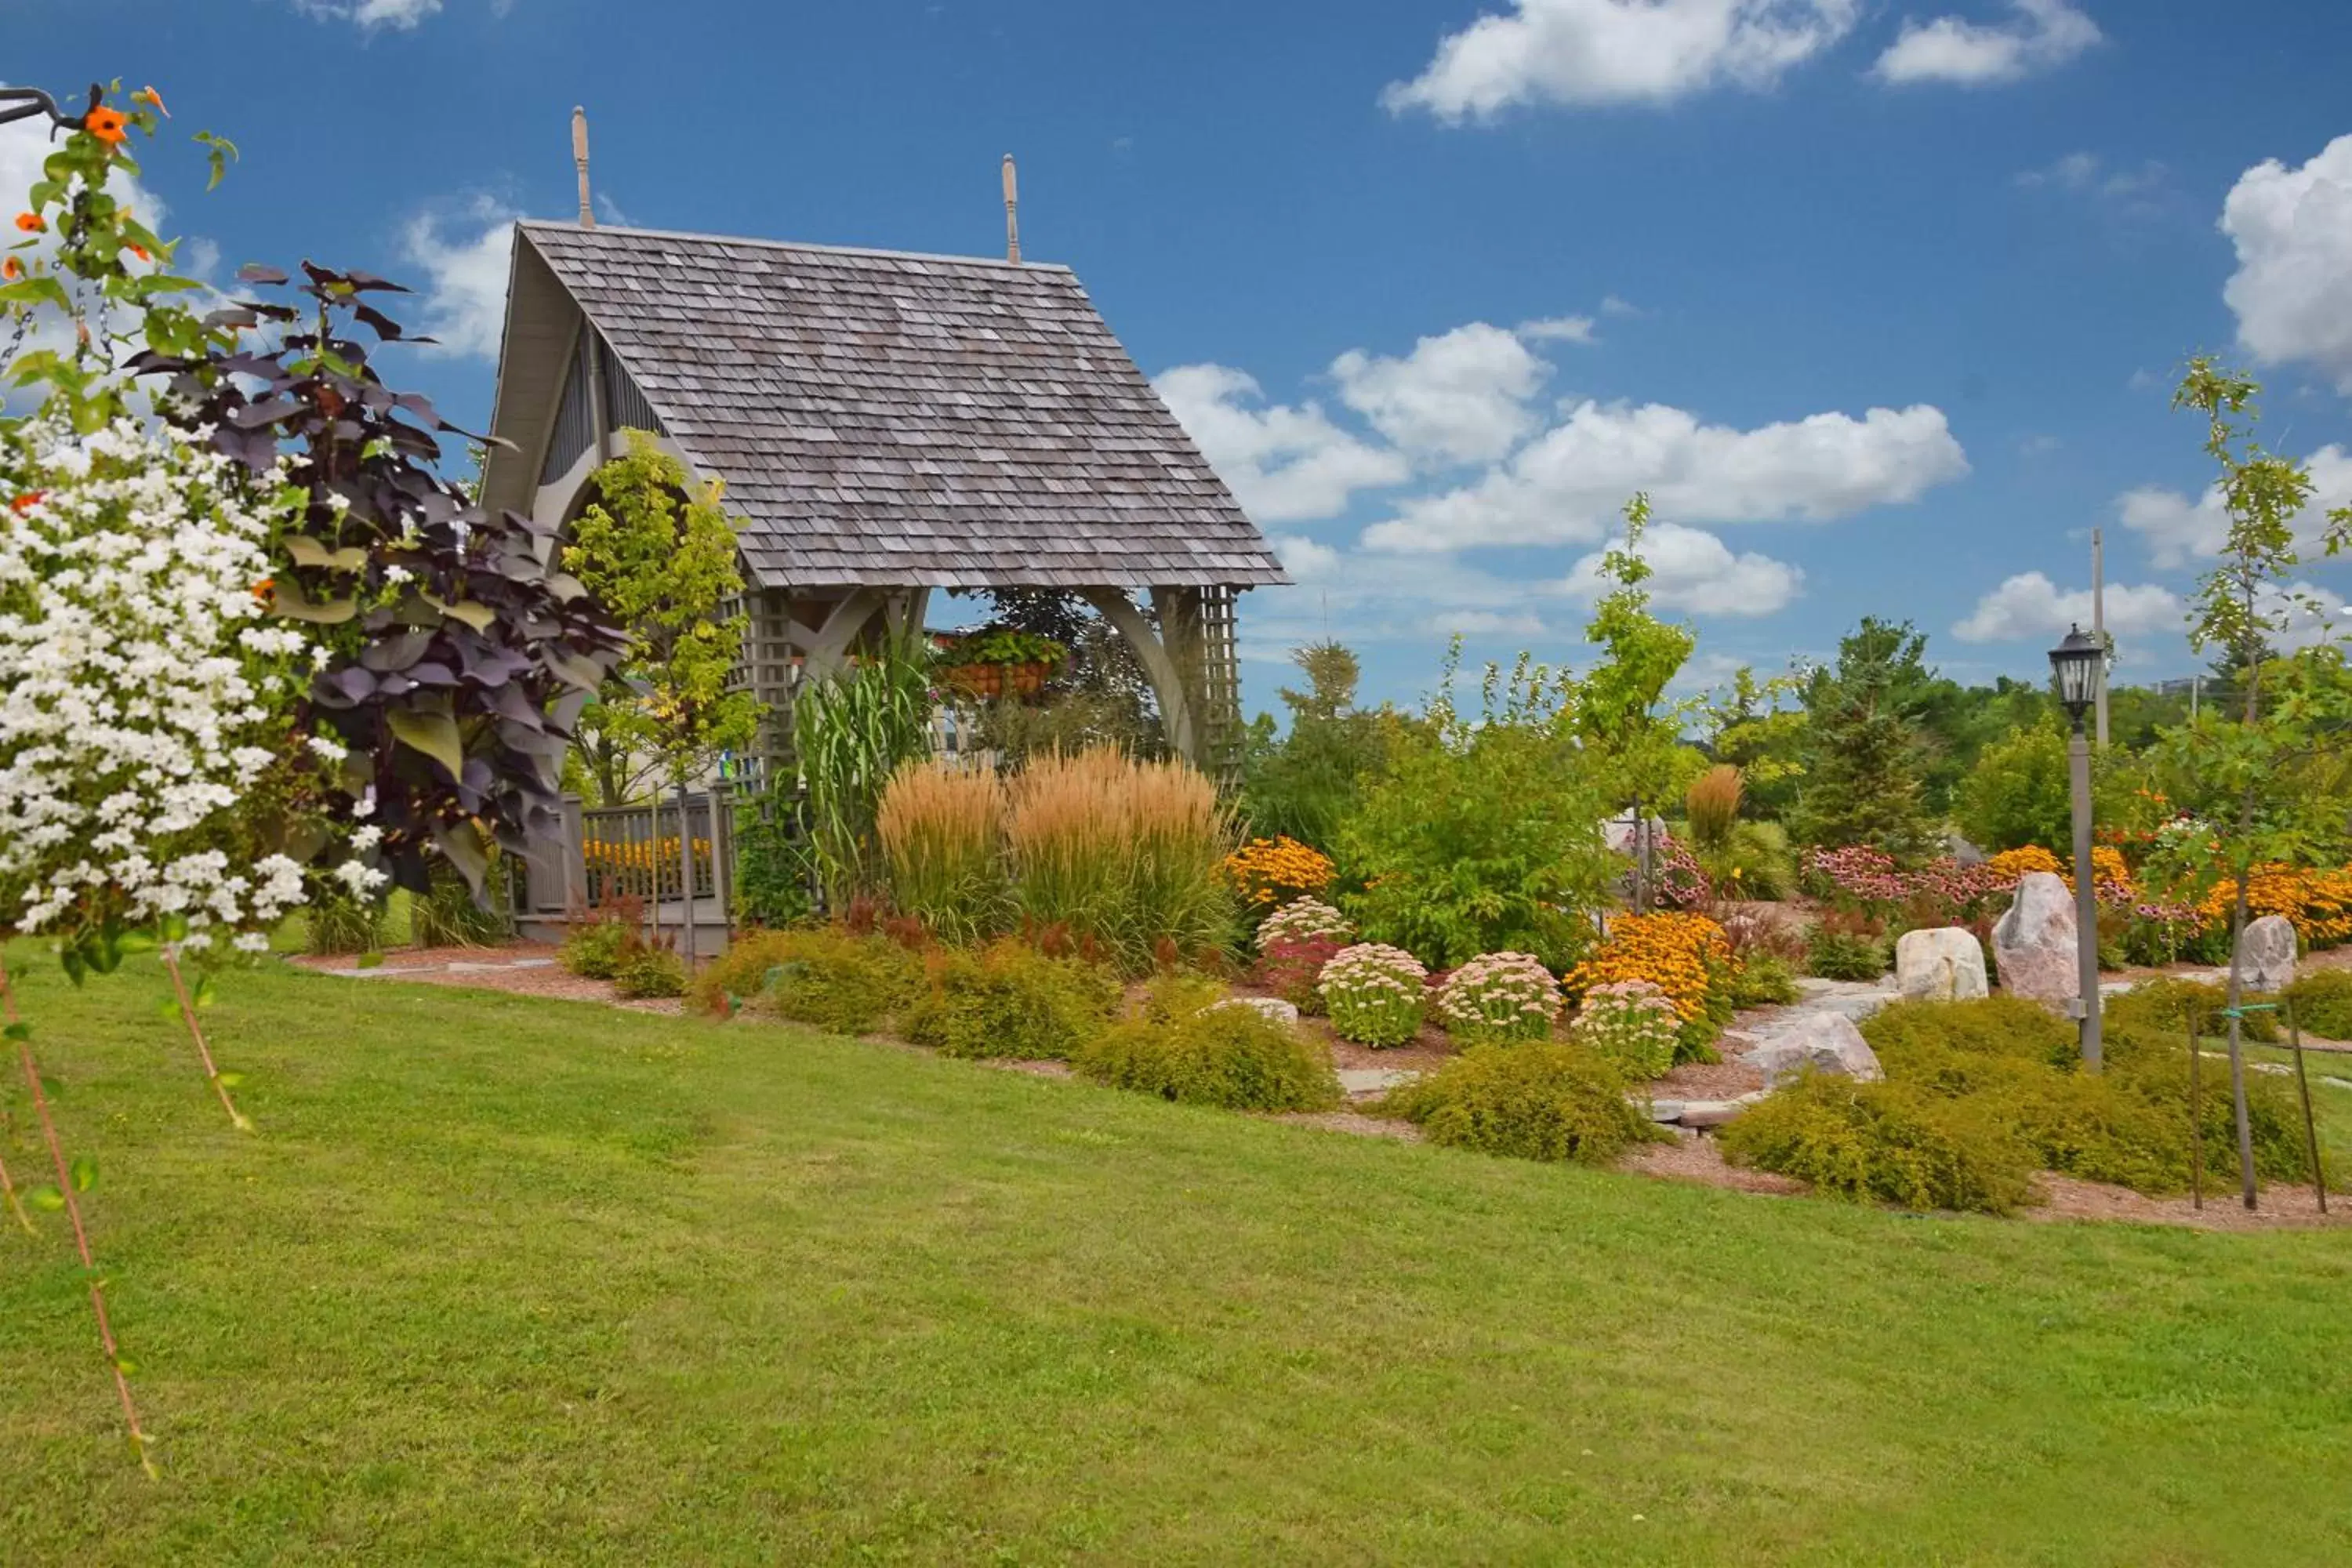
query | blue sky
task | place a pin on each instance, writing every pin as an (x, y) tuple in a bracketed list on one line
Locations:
[(1879, 300)]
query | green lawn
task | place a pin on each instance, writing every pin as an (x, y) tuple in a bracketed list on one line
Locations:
[(511, 1282)]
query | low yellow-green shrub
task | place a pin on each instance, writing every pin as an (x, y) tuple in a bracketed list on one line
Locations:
[(1537, 1100), (1886, 1142), (823, 977), (2168, 1005), (1231, 1056), (1010, 1000), (650, 972), (2323, 1002)]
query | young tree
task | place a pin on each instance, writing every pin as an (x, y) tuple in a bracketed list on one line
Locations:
[(1865, 764), (1748, 727), (1306, 783), (1634, 745), (662, 560), (2241, 765)]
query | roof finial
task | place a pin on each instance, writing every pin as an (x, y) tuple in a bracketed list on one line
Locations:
[(1012, 213), (580, 161)]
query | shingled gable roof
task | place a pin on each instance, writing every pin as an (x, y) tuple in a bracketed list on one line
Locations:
[(890, 419)]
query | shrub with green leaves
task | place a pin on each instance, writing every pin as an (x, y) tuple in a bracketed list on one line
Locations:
[(1887, 1142), (1010, 1000), (336, 923), (1230, 1055), (1375, 994), (1633, 1025), (823, 976), (1762, 980), (1543, 1100), (2169, 1004), (2323, 1002), (450, 916), (1833, 953), (593, 949), (1906, 1032), (650, 972), (1498, 997)]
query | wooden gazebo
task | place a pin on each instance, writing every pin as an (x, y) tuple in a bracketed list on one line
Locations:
[(884, 424)]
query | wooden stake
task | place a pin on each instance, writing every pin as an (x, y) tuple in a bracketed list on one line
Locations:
[(2310, 1128), (2196, 1126)]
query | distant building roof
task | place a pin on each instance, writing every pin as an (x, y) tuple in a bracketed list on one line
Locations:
[(881, 418)]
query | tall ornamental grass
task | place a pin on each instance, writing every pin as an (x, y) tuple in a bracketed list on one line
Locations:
[(1122, 855), (942, 836)]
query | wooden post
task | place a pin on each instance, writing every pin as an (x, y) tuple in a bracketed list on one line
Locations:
[(686, 872), (574, 869), (2310, 1128), (580, 162), (1012, 213)]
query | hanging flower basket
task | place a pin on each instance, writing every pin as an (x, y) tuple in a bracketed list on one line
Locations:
[(997, 661), (987, 682)]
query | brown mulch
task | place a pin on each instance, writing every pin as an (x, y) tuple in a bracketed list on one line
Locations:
[(1708, 1080), (1688, 1158)]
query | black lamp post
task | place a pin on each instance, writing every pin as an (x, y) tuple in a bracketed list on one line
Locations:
[(2076, 663)]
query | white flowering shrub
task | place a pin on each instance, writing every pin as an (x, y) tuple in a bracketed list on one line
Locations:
[(1304, 919), (145, 689), (1632, 1023), (1375, 994), (1499, 997)]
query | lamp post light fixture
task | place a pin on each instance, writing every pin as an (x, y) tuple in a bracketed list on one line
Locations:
[(2076, 664)]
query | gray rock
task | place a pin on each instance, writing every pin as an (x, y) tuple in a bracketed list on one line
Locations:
[(1946, 964), (1711, 1112), (1854, 999), (1821, 1042), (2033, 945), (1667, 1109), (1962, 852), (1273, 1007), (2266, 953), (1354, 1082)]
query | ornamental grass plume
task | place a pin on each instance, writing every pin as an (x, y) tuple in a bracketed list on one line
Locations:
[(1499, 997), (1713, 805), (1376, 995), (942, 835), (1065, 832)]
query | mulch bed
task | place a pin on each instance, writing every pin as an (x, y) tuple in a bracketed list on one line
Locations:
[(1708, 1080)]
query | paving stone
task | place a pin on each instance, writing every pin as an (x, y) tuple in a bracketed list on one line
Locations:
[(1374, 1080)]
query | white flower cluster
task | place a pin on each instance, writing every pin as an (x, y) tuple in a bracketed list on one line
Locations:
[(1499, 997), (1304, 919), (143, 687), (1374, 994)]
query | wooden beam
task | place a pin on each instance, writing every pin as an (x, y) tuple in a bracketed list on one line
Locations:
[(1166, 680)]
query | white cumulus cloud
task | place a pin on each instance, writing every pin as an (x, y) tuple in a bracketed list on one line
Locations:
[(2180, 531), (2031, 606), (1618, 51), (1557, 330), (1693, 570), (465, 264), (2293, 289), (398, 15), (2041, 35), (1566, 484), (1283, 464), (1457, 398)]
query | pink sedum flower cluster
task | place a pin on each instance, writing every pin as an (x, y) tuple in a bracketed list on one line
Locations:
[(1499, 997)]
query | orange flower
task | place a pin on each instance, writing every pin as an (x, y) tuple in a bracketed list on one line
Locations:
[(11, 269), (106, 124), (32, 223), (263, 589), (28, 501), (149, 95), (140, 251)]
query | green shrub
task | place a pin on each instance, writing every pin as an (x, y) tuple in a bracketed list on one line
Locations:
[(1755, 862), (2017, 793), (2168, 1006), (335, 923), (593, 949), (823, 977), (1010, 1000), (448, 916), (1764, 980), (1886, 1142), (649, 972), (1989, 1026), (2155, 1068), (2323, 1003), (1834, 955), (1177, 994), (1543, 1100), (1230, 1055)]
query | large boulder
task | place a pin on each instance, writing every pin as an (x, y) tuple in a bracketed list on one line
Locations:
[(2033, 945), (2266, 954), (1946, 964), (1818, 1042)]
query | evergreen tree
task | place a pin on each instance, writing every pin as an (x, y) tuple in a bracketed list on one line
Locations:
[(1865, 756)]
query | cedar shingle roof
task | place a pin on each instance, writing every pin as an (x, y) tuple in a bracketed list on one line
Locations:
[(894, 419)]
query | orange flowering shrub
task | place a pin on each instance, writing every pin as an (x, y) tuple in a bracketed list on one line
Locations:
[(2011, 865), (1268, 872), (1683, 955), (2317, 902)]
